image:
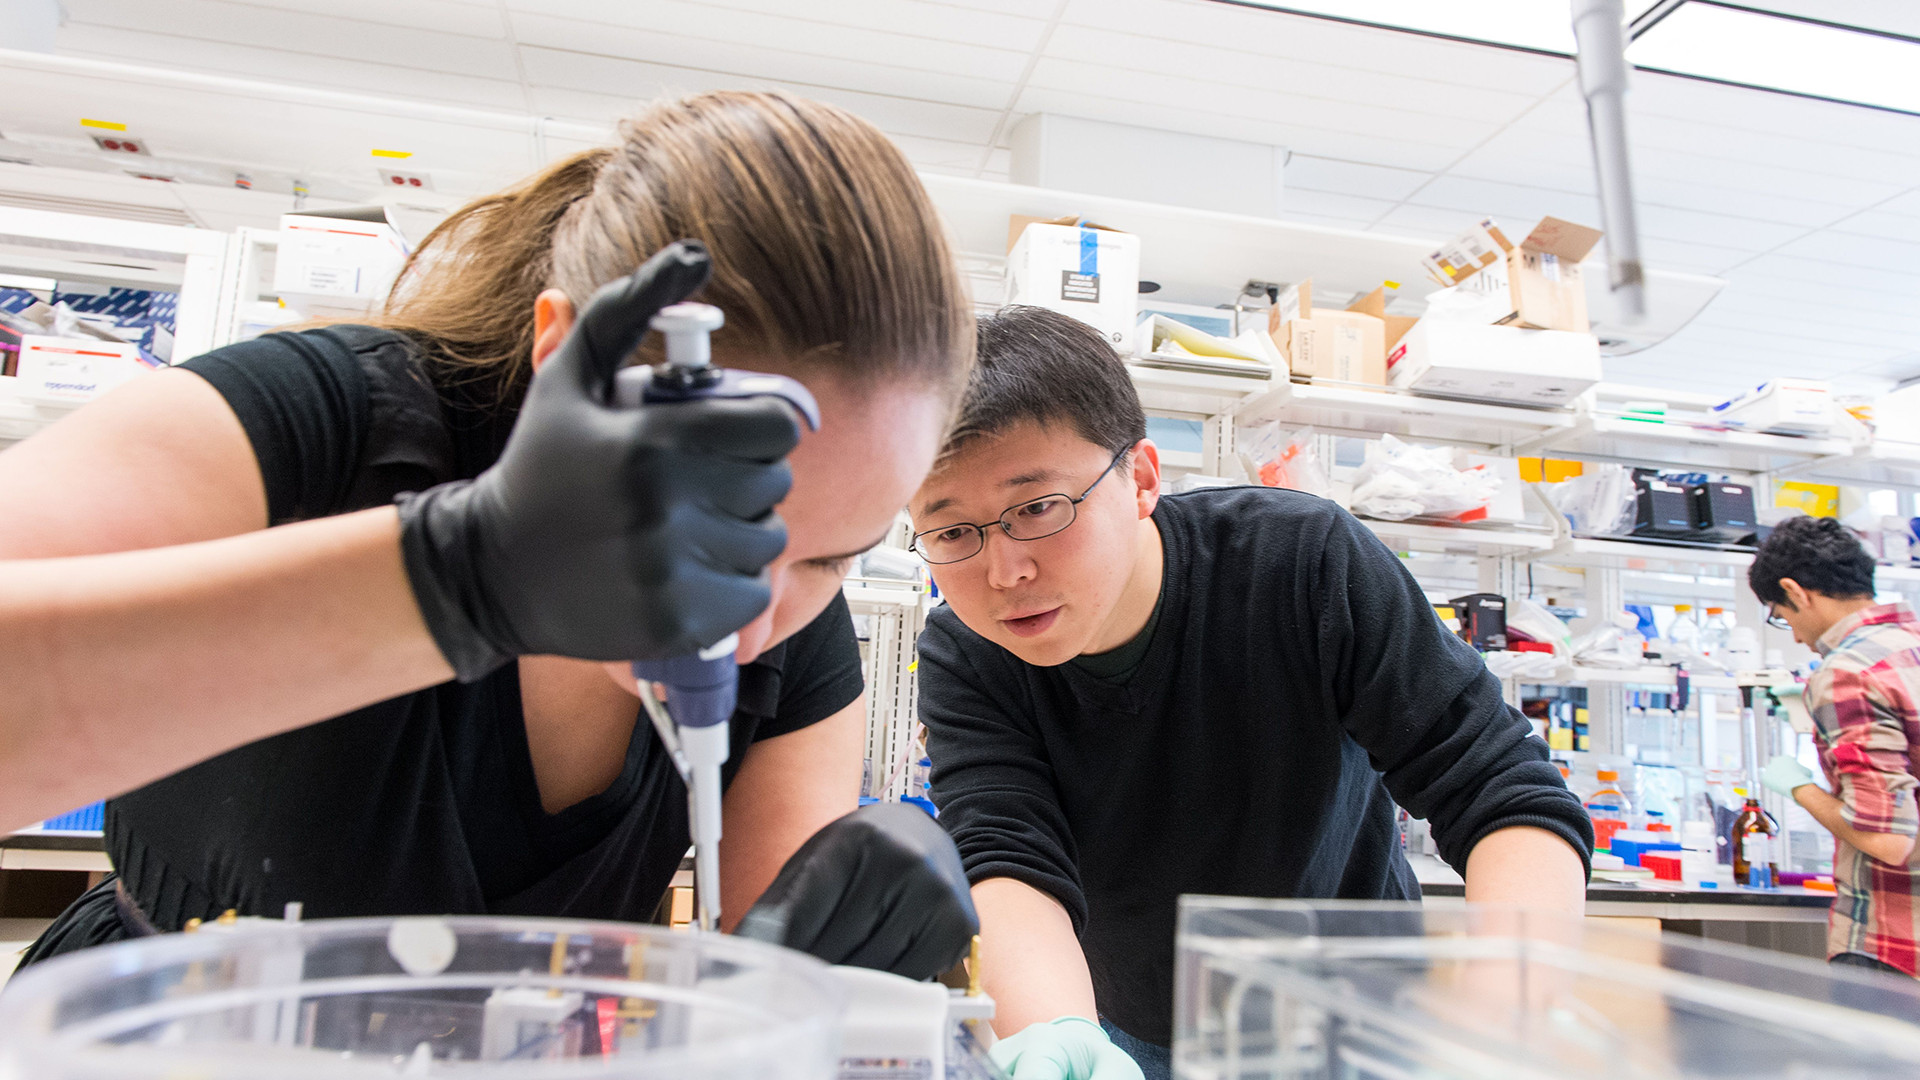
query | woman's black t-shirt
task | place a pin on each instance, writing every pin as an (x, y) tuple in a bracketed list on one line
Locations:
[(425, 803)]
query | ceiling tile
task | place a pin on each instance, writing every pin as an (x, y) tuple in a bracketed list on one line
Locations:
[(1239, 101), (1907, 203), (1788, 281), (1350, 145), (1351, 208), (1662, 254), (450, 16), (1806, 325), (1738, 107), (1303, 78), (1310, 173), (1017, 30), (281, 66), (653, 30), (1771, 148), (635, 80), (1867, 253), (1425, 222), (761, 63), (319, 35), (1722, 230), (1882, 224), (1300, 37), (1517, 207)]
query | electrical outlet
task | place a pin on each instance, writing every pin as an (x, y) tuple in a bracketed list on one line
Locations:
[(412, 181), (121, 144)]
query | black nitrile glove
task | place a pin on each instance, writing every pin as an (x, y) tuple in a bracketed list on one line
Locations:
[(606, 533), (880, 888)]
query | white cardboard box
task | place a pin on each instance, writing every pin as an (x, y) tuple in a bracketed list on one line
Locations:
[(1090, 274), (338, 260), (1496, 363), (1785, 406), (69, 372)]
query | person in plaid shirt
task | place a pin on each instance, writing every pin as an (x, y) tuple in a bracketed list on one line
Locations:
[(1816, 579)]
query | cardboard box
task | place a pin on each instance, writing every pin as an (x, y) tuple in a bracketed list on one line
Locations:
[(1076, 268), (1784, 406), (1543, 277), (338, 261), (69, 372), (1540, 279), (1496, 363), (1321, 343)]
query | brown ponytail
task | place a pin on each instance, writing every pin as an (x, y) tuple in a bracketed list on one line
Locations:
[(827, 253)]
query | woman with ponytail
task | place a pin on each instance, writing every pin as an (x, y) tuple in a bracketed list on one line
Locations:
[(354, 603)]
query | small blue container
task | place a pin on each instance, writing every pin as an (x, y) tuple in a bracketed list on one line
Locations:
[(86, 819)]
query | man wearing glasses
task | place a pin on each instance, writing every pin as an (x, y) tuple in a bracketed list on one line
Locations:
[(1130, 697), (1817, 581)]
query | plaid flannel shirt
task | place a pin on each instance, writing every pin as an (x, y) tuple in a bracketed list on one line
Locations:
[(1865, 701)]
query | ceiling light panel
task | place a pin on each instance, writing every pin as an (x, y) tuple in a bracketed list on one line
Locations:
[(1752, 48)]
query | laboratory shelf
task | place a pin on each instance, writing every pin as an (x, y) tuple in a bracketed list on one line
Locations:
[(1677, 445), (1904, 575), (1464, 539), (1196, 394), (1357, 410), (1649, 675), (1635, 555), (869, 599), (1882, 464)]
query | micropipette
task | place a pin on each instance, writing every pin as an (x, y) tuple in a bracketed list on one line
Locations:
[(702, 688)]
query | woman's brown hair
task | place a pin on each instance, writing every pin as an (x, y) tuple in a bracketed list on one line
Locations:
[(827, 254)]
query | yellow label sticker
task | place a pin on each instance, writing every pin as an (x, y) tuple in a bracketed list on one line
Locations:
[(1393, 284), (393, 153), (104, 125)]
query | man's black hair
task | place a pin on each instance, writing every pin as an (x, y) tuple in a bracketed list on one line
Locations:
[(1039, 365), (1821, 554)]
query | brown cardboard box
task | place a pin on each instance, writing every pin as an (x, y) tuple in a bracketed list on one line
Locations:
[(1375, 304), (1344, 346), (1544, 277)]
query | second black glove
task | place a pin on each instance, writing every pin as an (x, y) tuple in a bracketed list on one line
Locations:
[(880, 888)]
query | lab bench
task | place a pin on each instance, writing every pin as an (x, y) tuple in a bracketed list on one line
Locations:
[(1790, 919)]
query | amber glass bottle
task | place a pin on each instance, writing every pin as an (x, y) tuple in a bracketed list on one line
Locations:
[(1753, 836)]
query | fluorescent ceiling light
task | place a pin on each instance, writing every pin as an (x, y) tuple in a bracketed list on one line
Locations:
[(1540, 25), (1773, 52)]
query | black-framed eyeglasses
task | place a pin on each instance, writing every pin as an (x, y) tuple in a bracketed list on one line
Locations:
[(1776, 621), (1035, 519)]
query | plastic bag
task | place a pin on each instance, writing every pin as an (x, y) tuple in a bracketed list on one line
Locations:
[(1534, 620), (1598, 502), (1398, 481), (1278, 459)]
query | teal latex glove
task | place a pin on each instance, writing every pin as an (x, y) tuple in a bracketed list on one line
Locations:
[(1783, 774), (1070, 1048)]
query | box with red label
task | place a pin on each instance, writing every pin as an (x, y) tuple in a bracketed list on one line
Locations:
[(69, 372)]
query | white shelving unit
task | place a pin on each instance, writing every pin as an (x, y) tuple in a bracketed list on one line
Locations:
[(109, 251), (1372, 412), (1465, 539), (1883, 463), (1599, 437)]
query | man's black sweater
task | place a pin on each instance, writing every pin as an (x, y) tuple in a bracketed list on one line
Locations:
[(1295, 665)]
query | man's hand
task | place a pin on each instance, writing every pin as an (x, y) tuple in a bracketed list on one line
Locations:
[(1070, 1048), (1783, 774)]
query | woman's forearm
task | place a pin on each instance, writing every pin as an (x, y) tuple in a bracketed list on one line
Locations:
[(118, 669)]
